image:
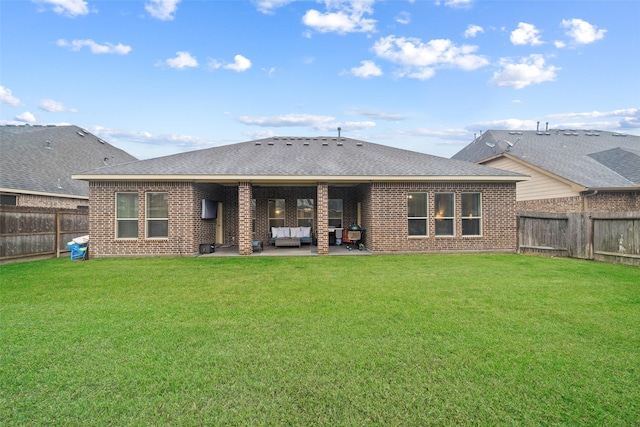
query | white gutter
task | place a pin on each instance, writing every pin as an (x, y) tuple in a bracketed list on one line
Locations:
[(42, 193), (299, 178)]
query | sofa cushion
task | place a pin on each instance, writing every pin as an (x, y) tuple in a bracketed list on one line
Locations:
[(283, 232)]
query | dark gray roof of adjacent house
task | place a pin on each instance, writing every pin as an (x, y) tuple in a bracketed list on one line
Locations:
[(41, 159), (590, 158), (282, 157)]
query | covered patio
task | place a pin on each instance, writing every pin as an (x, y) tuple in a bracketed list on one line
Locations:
[(304, 250)]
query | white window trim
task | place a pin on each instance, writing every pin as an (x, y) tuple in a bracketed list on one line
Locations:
[(329, 218), (452, 218), (147, 219), (284, 213), (125, 219), (479, 217), (426, 218)]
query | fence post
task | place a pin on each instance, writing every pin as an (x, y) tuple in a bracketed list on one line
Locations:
[(57, 239)]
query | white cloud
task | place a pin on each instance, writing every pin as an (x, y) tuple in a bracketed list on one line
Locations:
[(403, 18), (379, 115), (343, 17), (288, 120), (559, 44), (318, 123), (239, 65), (138, 143), (627, 112), (26, 117), (6, 97), (421, 59), (70, 8), (163, 10), (529, 70), (510, 124), (94, 47), (456, 4), (268, 6), (52, 106), (182, 60), (473, 30), (367, 69), (582, 32), (526, 34)]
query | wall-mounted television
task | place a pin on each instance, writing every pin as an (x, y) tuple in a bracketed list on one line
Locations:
[(209, 209)]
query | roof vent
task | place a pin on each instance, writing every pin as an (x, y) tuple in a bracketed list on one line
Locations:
[(270, 143), (101, 141), (80, 133), (258, 143), (289, 143), (324, 143), (305, 143), (340, 144), (619, 134), (47, 145), (359, 144)]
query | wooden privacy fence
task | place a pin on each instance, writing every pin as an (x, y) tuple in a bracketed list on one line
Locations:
[(610, 237), (39, 232)]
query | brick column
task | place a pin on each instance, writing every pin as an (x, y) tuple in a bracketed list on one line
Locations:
[(245, 233), (323, 218)]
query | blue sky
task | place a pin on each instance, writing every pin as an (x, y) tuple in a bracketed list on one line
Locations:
[(158, 77)]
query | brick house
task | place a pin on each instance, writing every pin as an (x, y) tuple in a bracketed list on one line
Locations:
[(571, 170), (405, 201), (36, 164)]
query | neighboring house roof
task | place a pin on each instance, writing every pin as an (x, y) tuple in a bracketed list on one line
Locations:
[(287, 159), (41, 159), (591, 159)]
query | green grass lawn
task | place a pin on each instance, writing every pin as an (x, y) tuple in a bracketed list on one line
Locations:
[(377, 340)]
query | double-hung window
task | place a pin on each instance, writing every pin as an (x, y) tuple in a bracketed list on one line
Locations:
[(157, 215), (276, 213), (444, 214), (126, 215), (471, 204), (335, 213), (417, 208), (305, 212)]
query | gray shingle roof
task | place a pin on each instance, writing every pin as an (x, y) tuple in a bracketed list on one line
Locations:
[(302, 156), (43, 158), (592, 159)]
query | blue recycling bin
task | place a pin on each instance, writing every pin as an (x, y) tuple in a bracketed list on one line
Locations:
[(78, 251)]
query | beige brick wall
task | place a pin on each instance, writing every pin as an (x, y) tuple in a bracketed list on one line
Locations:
[(602, 201), (186, 229), (37, 201), (386, 218)]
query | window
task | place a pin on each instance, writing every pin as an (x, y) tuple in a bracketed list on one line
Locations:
[(253, 215), (471, 214), (335, 213), (276, 213), (8, 200), (305, 212), (444, 212), (417, 214), (157, 215), (126, 215)]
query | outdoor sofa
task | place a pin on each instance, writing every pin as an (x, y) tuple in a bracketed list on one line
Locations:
[(291, 236)]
